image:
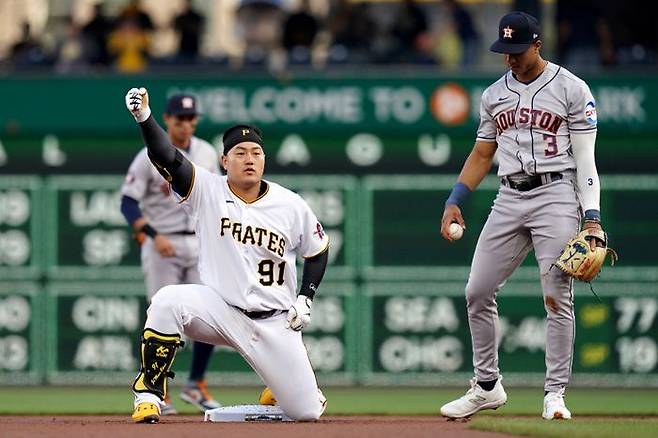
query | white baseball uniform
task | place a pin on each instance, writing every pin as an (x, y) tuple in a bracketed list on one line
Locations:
[(533, 125), (160, 208), (247, 264)]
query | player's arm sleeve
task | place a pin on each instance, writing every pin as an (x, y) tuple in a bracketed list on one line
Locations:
[(314, 268), (582, 122), (169, 161), (130, 209), (487, 127), (587, 177)]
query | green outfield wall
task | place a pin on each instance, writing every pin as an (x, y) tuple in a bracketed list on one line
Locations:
[(312, 123), (390, 312)]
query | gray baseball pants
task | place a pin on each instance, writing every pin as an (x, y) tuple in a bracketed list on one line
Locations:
[(162, 271), (544, 218)]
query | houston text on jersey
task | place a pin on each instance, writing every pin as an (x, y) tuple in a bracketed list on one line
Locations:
[(535, 117)]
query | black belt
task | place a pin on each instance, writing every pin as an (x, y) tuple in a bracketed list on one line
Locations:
[(530, 181), (260, 314), (184, 233)]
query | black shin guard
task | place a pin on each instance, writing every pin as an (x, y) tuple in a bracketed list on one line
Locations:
[(157, 354)]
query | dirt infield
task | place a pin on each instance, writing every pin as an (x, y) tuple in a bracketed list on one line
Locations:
[(194, 427)]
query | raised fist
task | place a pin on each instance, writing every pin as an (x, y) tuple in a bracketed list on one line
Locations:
[(137, 102)]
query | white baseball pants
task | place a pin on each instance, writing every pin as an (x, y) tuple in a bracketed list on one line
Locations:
[(277, 354)]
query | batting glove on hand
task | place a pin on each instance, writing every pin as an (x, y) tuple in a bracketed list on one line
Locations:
[(299, 315), (137, 102)]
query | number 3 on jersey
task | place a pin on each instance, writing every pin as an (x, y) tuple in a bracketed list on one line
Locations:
[(266, 269), (551, 145)]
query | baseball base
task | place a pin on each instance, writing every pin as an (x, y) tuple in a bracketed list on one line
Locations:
[(246, 413)]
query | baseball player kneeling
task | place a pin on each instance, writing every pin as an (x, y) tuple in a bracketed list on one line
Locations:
[(250, 232)]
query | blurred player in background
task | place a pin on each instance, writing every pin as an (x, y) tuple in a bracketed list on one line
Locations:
[(169, 248)]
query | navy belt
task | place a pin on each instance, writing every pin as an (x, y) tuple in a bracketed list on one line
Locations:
[(530, 181), (260, 314)]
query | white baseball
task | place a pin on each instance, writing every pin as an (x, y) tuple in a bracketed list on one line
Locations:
[(455, 231)]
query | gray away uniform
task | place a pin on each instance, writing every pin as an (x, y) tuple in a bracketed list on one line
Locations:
[(160, 208), (532, 125)]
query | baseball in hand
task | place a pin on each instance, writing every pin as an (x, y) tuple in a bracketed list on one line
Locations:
[(455, 231)]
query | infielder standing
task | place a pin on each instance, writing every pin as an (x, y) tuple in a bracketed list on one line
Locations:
[(171, 251), (542, 121), (250, 232)]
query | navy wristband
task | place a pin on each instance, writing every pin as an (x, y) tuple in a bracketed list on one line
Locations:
[(149, 231), (459, 194), (593, 215)]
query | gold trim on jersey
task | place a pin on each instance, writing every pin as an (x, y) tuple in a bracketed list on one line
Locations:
[(189, 192), (259, 197), (325, 248)]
